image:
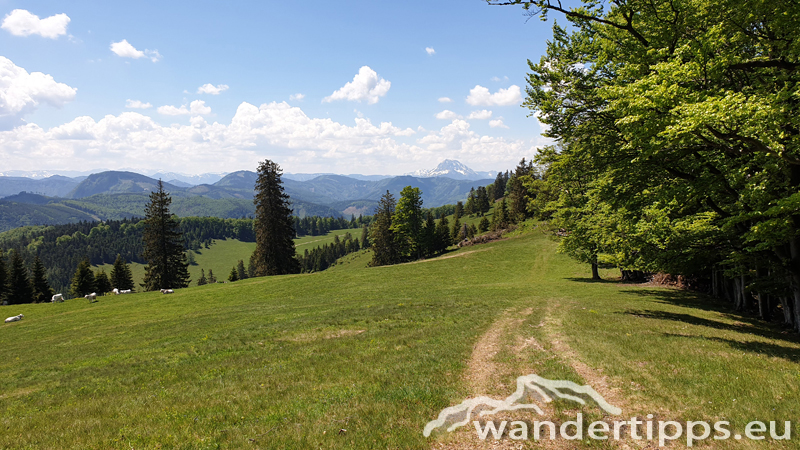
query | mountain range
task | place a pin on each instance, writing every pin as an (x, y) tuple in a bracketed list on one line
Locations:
[(119, 194)]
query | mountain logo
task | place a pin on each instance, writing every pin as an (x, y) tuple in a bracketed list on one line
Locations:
[(529, 387)]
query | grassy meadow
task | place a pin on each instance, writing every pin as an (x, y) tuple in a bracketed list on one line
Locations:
[(357, 357)]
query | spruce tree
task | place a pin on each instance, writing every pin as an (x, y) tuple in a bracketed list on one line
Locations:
[(429, 235), (202, 280), (483, 226), (19, 284), (211, 278), (407, 223), (163, 245), (365, 244), (384, 245), (234, 276), (101, 282), (241, 272), (83, 279), (274, 226), (42, 292), (455, 231), (121, 276), (3, 278), (442, 234)]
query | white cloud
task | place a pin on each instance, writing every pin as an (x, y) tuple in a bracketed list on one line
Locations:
[(196, 108), (497, 123), (125, 50), (480, 115), (20, 22), (430, 50), (209, 88), (447, 115), (298, 97), (366, 85), (445, 100), (499, 79), (480, 96), (22, 92), (137, 104)]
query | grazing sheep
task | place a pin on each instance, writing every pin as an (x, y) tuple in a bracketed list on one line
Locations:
[(14, 318), (91, 297), (58, 298), (167, 291), (115, 291), (126, 291)]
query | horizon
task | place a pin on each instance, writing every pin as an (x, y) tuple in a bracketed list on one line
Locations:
[(88, 86)]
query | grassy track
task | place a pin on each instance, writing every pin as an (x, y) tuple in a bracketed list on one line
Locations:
[(286, 362)]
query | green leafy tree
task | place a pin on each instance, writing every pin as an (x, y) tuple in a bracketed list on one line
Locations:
[(407, 224), (166, 267), (385, 249), (274, 226), (101, 282), (202, 280), (121, 276), (240, 270), (83, 279), (234, 275), (19, 285)]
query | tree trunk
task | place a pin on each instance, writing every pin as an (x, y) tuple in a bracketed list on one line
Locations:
[(787, 311), (794, 269), (595, 273)]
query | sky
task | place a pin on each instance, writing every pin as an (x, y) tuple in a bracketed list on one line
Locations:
[(316, 86)]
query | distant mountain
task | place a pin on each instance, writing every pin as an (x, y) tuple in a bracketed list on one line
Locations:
[(54, 186), (311, 176), (113, 182), (453, 169), (189, 180), (180, 183)]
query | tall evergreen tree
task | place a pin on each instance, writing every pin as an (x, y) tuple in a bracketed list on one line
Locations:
[(101, 282), (83, 279), (234, 275), (384, 245), (455, 231), (202, 280), (166, 267), (211, 278), (3, 278), (407, 223), (365, 237), (429, 235), (500, 186), (19, 285), (482, 200), (483, 226), (240, 270), (442, 234), (42, 292), (121, 276), (275, 252)]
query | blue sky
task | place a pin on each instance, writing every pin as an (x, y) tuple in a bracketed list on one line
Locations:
[(372, 79)]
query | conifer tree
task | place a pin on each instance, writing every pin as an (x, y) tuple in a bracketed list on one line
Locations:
[(83, 279), (234, 276), (407, 223), (483, 226), (482, 200), (500, 216), (275, 252), (42, 292), (429, 235), (202, 280), (455, 231), (163, 245), (240, 271), (384, 245), (19, 284), (211, 278), (121, 276), (365, 237), (101, 282), (442, 234), (3, 278)]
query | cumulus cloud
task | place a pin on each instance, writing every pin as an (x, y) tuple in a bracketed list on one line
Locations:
[(445, 100), (430, 50), (195, 108), (497, 123), (480, 96), (480, 115), (209, 88), (20, 22), (124, 49), (137, 104), (22, 92), (298, 97), (366, 86), (447, 115)]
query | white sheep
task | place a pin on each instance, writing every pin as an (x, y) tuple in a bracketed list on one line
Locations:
[(58, 298), (167, 291), (14, 318), (91, 297)]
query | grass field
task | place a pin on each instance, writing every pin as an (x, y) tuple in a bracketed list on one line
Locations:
[(223, 255), (291, 361)]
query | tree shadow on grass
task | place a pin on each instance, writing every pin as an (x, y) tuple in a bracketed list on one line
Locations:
[(744, 325), (771, 350), (601, 281)]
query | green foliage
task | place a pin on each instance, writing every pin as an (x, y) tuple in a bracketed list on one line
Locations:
[(202, 280), (19, 285), (83, 280), (240, 270), (211, 278), (101, 282), (483, 227), (234, 275), (385, 248), (163, 245), (275, 252), (121, 277), (407, 224)]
